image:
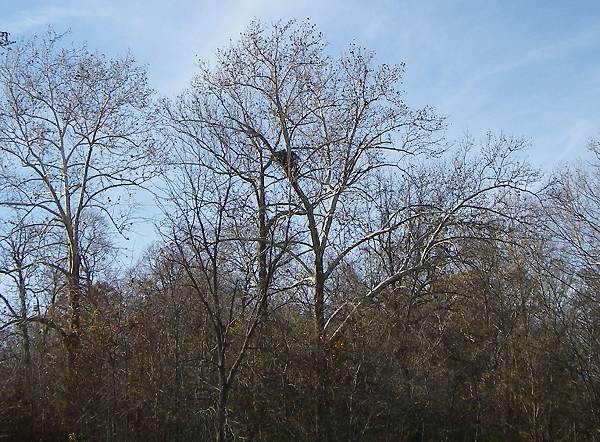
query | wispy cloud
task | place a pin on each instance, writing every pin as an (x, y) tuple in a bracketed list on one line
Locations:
[(502, 64), (27, 21)]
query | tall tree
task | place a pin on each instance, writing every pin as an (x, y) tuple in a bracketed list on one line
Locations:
[(230, 223), (73, 137), (18, 246), (572, 211), (327, 131)]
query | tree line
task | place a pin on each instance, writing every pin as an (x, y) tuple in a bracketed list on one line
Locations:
[(326, 264)]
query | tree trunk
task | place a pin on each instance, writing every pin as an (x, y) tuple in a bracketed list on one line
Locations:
[(322, 418), (26, 339), (222, 410), (319, 300), (73, 299), (73, 343), (322, 414), (263, 283)]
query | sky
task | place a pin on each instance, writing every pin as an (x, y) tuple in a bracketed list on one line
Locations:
[(527, 68)]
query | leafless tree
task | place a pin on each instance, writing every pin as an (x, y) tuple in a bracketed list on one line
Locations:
[(573, 204), (73, 138), (572, 209), (325, 132), (18, 263), (229, 233)]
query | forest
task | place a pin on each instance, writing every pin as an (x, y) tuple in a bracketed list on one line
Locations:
[(325, 263)]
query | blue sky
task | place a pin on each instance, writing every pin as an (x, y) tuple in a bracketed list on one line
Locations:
[(529, 68)]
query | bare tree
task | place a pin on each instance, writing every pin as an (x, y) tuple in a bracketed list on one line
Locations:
[(572, 211), (573, 204), (73, 137), (227, 236), (327, 130), (18, 263)]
